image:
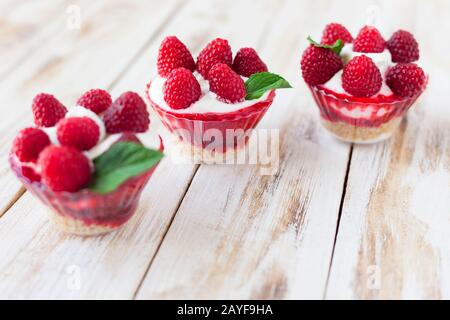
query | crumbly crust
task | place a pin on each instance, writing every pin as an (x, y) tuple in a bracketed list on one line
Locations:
[(78, 227), (352, 133)]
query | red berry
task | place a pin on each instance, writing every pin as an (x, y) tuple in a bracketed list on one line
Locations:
[(96, 100), (29, 143), (319, 65), (47, 110), (403, 47), (406, 80), (217, 51), (81, 133), (173, 54), (181, 89), (247, 62), (127, 113), (369, 40), (64, 168), (334, 32), (226, 83), (361, 77)]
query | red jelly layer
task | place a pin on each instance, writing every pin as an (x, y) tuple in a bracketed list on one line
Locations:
[(375, 110), (112, 209), (209, 130)]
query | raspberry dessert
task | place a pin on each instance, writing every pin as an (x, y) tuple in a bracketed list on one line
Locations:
[(88, 163), (363, 86), (210, 106)]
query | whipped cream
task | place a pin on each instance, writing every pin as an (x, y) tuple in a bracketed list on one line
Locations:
[(382, 60), (208, 101), (105, 141)]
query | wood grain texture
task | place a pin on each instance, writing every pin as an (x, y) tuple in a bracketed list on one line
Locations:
[(393, 238), (240, 234)]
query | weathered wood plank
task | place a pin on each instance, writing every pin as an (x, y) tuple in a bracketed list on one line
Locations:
[(239, 234), (29, 25), (393, 237), (71, 63), (112, 266)]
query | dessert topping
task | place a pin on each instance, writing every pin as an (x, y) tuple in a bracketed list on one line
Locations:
[(64, 168), (319, 63), (217, 51), (247, 62), (127, 113), (406, 80), (361, 77), (334, 32), (173, 54), (47, 110), (369, 40), (29, 143), (81, 133), (96, 100), (181, 89), (403, 47), (226, 84)]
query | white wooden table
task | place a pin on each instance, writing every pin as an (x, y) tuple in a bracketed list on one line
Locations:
[(336, 221)]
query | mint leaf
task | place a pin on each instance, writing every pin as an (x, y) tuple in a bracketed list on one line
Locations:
[(336, 47), (121, 162), (259, 83)]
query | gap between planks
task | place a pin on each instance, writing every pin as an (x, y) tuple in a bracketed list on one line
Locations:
[(341, 207), (172, 14)]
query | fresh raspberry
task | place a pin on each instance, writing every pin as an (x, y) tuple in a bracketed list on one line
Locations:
[(319, 65), (247, 62), (369, 40), (127, 113), (406, 80), (81, 133), (403, 47), (64, 168), (47, 110), (226, 83), (334, 32), (29, 143), (96, 100), (181, 89), (128, 137), (173, 54), (217, 51), (361, 77)]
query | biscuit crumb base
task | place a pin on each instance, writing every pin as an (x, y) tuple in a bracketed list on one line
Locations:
[(352, 133), (78, 227)]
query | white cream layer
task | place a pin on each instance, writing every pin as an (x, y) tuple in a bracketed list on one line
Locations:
[(208, 101)]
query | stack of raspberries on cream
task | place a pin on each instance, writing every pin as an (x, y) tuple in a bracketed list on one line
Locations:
[(88, 163), (202, 102), (363, 86)]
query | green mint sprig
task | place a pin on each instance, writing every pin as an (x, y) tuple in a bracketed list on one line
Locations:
[(260, 83), (336, 47), (121, 162)]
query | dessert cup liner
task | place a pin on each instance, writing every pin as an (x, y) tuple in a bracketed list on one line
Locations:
[(381, 118), (213, 132), (86, 212)]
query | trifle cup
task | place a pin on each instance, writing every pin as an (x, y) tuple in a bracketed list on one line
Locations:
[(363, 87), (88, 164), (85, 212), (211, 137), (361, 120), (210, 106)]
